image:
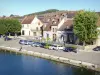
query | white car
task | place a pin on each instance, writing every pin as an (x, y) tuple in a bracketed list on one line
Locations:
[(60, 47), (56, 47)]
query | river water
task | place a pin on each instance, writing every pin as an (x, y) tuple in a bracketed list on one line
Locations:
[(12, 64)]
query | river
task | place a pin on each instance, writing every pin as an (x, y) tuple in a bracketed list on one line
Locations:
[(12, 64)]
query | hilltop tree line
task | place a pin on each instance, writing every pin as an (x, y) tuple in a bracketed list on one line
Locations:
[(44, 12), (9, 26)]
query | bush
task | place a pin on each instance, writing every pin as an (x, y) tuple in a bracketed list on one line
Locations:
[(73, 46), (46, 46)]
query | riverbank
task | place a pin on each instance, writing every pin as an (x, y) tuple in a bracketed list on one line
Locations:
[(52, 57), (84, 59)]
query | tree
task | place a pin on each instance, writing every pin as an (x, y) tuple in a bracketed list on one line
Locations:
[(3, 29), (14, 25), (44, 12), (9, 25), (85, 27)]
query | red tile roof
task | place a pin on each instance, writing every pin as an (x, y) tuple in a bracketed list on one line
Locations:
[(66, 24), (47, 28), (27, 20)]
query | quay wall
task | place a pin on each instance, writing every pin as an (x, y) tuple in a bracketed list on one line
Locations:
[(52, 57)]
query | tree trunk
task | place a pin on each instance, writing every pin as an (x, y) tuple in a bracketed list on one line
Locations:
[(84, 45), (9, 34)]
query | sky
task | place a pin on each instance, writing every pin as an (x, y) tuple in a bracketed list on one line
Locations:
[(23, 7)]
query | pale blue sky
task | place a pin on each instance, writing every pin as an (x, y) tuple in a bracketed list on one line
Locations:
[(22, 7)]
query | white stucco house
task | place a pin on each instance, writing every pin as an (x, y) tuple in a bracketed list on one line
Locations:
[(31, 26)]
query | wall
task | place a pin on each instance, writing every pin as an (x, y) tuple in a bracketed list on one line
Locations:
[(45, 34), (98, 39), (36, 23), (26, 28)]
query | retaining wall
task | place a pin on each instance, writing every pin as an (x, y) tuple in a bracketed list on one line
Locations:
[(52, 57)]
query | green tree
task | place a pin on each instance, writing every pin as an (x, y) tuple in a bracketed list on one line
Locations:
[(85, 27), (3, 29), (14, 25), (9, 25)]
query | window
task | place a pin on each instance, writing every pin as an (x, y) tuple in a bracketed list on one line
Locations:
[(37, 28), (47, 35), (29, 32), (34, 33), (23, 32), (53, 29)]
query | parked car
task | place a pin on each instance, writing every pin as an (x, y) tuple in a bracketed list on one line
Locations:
[(70, 49), (60, 47), (36, 44), (56, 47), (23, 42), (43, 45), (29, 42), (0, 35), (7, 38), (53, 47), (96, 48)]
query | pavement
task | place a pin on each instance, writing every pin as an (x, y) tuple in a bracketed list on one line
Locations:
[(84, 56)]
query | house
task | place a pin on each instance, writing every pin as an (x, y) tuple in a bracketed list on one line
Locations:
[(50, 29), (65, 31), (31, 26), (56, 28)]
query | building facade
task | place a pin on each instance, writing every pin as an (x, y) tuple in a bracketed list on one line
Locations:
[(31, 26)]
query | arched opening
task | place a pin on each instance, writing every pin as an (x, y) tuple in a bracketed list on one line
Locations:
[(23, 32), (54, 37)]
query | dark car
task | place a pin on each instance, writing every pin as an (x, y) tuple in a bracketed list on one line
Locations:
[(42, 45), (70, 49), (0, 35), (7, 38), (96, 48)]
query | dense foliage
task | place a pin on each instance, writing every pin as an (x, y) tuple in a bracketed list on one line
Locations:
[(85, 26), (9, 25)]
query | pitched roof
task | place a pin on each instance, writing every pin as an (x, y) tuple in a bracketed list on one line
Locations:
[(47, 28), (66, 24), (27, 20)]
